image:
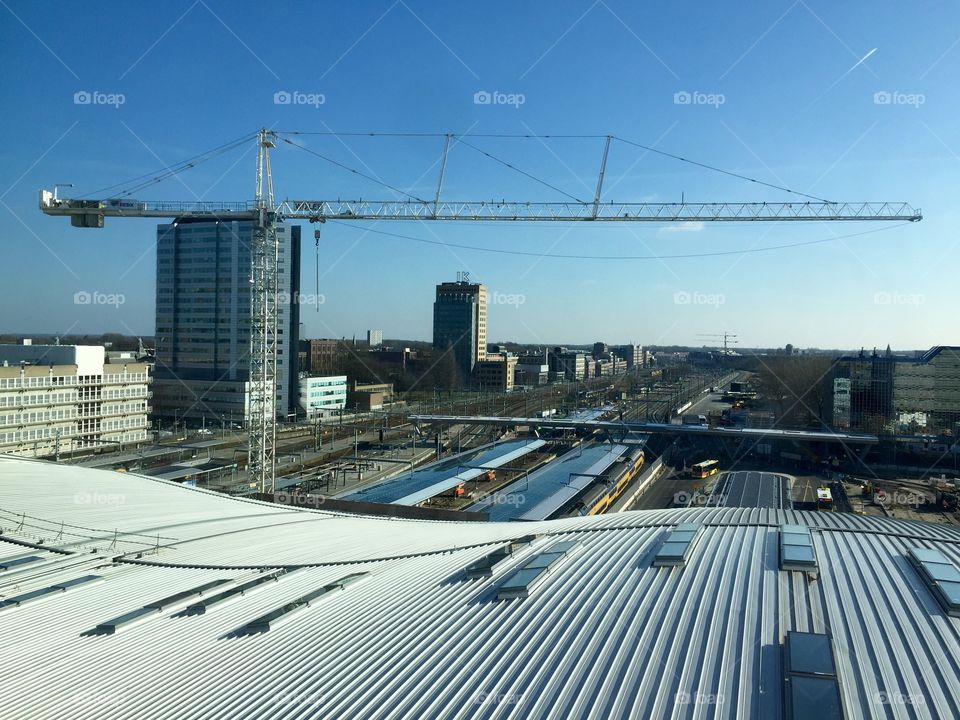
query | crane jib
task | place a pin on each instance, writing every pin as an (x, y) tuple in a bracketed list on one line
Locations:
[(507, 211)]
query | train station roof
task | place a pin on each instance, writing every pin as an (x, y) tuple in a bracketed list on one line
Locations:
[(412, 487), (123, 596), (541, 493)]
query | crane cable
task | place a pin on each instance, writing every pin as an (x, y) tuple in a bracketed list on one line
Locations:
[(720, 170), (522, 172), (149, 179), (352, 170), (648, 148), (154, 177)]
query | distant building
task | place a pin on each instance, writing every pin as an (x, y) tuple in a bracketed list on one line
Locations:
[(460, 324), (531, 372), (926, 391), (611, 365), (495, 373), (599, 349), (632, 354), (62, 398), (321, 396), (568, 365), (399, 356), (203, 319), (367, 397), (323, 356), (841, 403), (883, 392), (374, 338)]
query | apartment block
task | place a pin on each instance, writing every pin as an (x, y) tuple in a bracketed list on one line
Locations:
[(59, 399)]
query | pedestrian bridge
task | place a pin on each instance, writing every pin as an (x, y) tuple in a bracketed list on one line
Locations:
[(623, 427)]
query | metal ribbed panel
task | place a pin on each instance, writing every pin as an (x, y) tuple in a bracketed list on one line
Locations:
[(604, 635)]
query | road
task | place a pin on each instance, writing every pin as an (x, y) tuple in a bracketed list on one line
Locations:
[(709, 402)]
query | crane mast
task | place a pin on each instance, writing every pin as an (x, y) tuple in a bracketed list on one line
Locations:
[(264, 212), (264, 286)]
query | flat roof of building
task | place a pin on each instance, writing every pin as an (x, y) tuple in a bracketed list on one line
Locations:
[(123, 596)]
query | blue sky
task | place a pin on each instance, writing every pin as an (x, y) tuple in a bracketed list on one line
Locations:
[(786, 97)]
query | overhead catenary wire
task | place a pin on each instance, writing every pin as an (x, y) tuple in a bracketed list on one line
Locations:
[(549, 256)]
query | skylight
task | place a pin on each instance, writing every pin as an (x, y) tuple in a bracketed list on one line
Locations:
[(810, 676), (796, 548), (531, 573), (676, 547), (940, 575)]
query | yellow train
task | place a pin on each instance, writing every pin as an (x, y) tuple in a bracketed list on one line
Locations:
[(605, 496)]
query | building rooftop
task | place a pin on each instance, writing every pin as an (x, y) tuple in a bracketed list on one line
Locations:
[(541, 493), (415, 486), (130, 597)]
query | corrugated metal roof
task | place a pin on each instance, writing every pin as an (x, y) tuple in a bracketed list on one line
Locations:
[(604, 635)]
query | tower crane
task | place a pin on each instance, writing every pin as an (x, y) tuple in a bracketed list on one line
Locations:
[(265, 213), (728, 339)]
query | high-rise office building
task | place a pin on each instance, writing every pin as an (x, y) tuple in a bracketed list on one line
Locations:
[(203, 320), (374, 338), (460, 323)]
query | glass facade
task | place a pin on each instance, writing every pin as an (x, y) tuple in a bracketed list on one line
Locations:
[(322, 395), (895, 394), (460, 323), (203, 319)]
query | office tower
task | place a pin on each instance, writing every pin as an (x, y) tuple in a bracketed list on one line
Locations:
[(460, 323), (203, 320)]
